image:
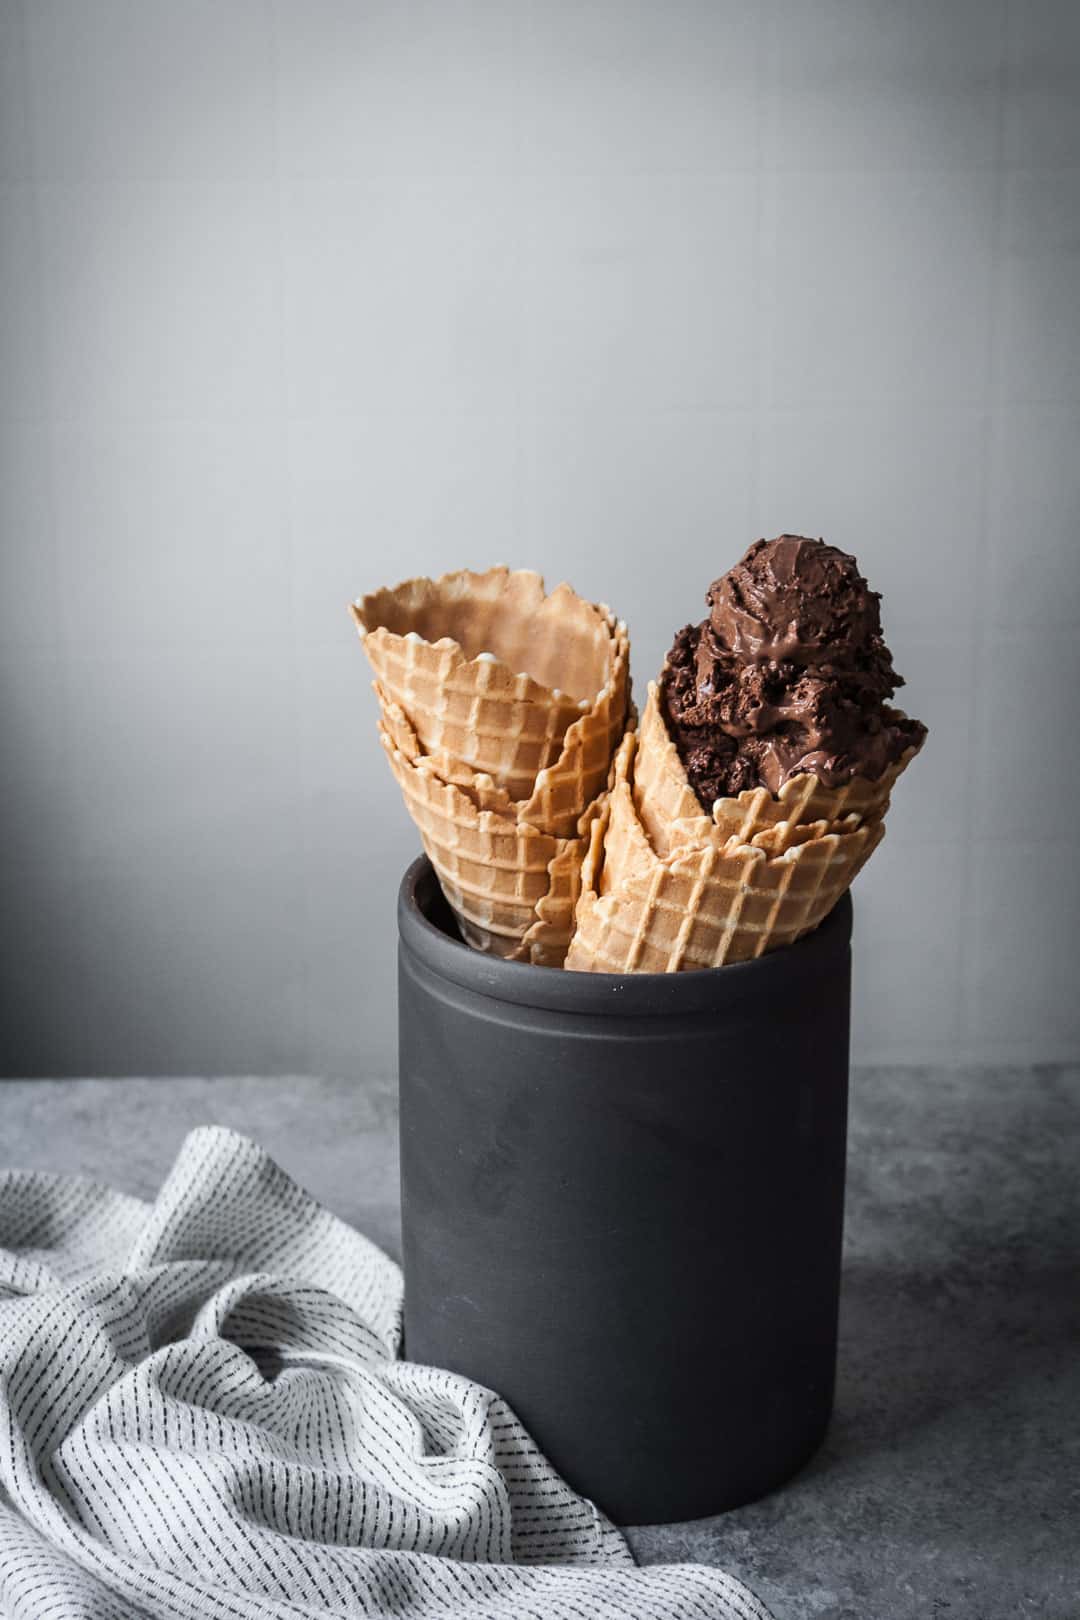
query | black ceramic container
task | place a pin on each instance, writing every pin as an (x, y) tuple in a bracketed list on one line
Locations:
[(622, 1202)]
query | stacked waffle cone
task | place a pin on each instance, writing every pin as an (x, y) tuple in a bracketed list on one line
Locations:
[(666, 887), (501, 708)]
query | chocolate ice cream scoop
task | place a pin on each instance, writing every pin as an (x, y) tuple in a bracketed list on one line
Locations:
[(789, 674), (793, 600)]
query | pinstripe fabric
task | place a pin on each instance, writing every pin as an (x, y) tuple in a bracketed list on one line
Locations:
[(202, 1415)]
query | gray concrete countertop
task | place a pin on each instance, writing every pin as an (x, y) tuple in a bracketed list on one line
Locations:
[(949, 1485)]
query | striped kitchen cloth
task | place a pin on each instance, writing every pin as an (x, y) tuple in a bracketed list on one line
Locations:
[(202, 1414)]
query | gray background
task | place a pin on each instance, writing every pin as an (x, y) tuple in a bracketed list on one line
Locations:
[(298, 299)]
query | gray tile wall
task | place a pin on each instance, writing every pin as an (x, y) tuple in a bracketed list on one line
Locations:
[(300, 298)]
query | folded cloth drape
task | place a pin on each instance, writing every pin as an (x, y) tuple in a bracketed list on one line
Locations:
[(202, 1415)]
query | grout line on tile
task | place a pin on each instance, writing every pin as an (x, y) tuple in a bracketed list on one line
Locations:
[(302, 1053), (970, 958)]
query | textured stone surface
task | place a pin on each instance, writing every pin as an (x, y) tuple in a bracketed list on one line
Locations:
[(337, 1137), (949, 1485)]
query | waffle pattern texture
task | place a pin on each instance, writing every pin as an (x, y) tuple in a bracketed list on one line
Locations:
[(667, 888), (501, 769)]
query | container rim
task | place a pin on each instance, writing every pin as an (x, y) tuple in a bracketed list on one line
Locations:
[(624, 995)]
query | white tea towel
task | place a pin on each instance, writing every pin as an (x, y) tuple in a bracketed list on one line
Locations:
[(202, 1415)]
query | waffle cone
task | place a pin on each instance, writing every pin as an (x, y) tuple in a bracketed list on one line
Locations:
[(564, 790), (706, 900), (472, 661), (484, 793), (512, 888), (665, 799)]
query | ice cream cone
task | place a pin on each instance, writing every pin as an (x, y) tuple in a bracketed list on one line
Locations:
[(506, 681), (545, 941), (512, 888), (562, 791), (705, 903), (664, 797), (477, 786), (499, 766)]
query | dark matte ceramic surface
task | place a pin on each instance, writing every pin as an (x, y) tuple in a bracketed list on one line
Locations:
[(622, 1202)]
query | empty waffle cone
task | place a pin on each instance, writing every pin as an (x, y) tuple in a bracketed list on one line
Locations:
[(512, 888), (527, 689), (664, 797), (703, 903), (484, 793), (564, 791)]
